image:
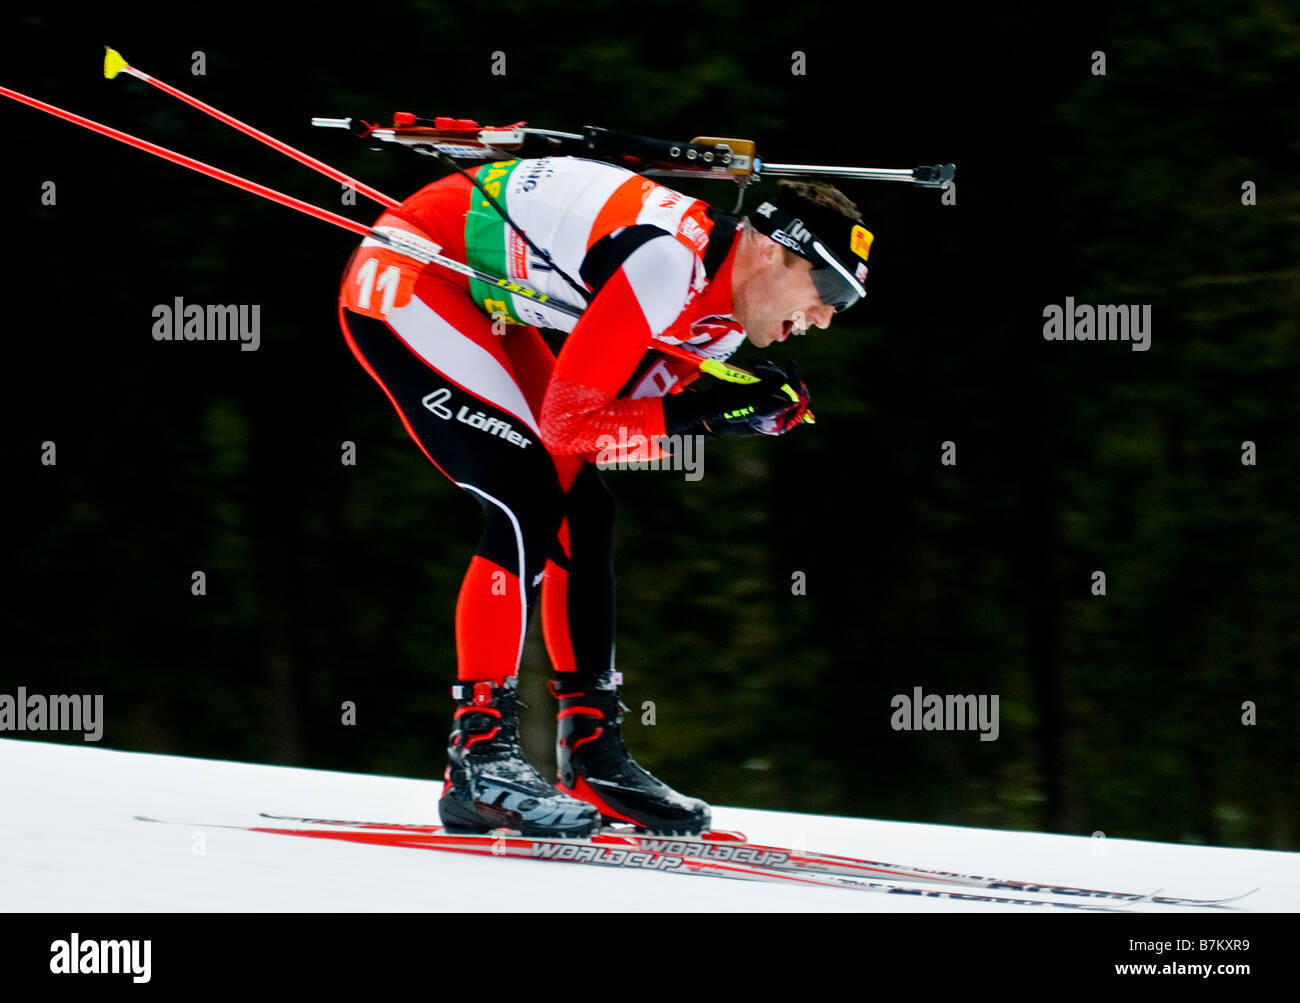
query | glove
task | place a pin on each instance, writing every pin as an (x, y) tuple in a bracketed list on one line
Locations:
[(732, 409), (792, 410)]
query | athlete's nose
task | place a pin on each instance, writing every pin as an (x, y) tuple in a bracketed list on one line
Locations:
[(821, 315)]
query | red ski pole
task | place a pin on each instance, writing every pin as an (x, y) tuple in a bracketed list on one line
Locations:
[(115, 64), (192, 164)]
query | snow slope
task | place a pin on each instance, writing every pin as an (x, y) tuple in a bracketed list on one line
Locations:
[(69, 842)]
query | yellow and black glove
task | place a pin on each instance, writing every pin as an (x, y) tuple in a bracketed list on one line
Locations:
[(772, 405)]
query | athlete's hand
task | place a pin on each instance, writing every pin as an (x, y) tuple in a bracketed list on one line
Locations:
[(731, 409), (795, 405)]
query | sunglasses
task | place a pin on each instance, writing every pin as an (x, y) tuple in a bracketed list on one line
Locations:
[(833, 289)]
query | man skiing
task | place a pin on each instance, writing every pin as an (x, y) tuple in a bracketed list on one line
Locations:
[(492, 408)]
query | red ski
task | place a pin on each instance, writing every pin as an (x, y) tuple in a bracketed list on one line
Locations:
[(610, 849), (730, 847)]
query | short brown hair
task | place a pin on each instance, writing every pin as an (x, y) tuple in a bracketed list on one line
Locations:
[(818, 193), (822, 194)]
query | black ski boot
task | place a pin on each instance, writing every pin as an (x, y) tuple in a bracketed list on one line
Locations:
[(594, 765), (490, 785)]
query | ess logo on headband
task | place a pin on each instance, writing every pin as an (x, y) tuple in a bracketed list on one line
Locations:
[(781, 237)]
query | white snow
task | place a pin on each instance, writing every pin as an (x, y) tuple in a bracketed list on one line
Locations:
[(69, 842)]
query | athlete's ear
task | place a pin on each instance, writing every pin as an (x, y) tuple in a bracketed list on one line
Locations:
[(768, 249)]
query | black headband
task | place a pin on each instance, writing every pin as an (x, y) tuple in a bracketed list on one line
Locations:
[(832, 242)]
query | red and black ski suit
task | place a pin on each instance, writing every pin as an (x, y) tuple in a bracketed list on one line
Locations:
[(501, 416)]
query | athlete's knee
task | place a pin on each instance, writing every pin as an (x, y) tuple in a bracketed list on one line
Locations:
[(518, 531)]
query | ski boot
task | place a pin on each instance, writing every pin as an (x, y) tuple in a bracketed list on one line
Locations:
[(593, 764), (489, 784)]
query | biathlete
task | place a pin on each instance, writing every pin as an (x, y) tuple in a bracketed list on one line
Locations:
[(519, 428)]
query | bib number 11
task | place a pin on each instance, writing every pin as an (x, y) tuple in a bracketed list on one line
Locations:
[(386, 284)]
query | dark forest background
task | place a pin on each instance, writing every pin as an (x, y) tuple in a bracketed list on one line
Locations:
[(329, 583)]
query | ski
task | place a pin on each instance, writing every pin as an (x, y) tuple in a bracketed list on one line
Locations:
[(614, 850), (734, 846)]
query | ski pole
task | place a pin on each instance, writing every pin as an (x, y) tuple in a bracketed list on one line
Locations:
[(115, 64), (192, 164), (424, 252)]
